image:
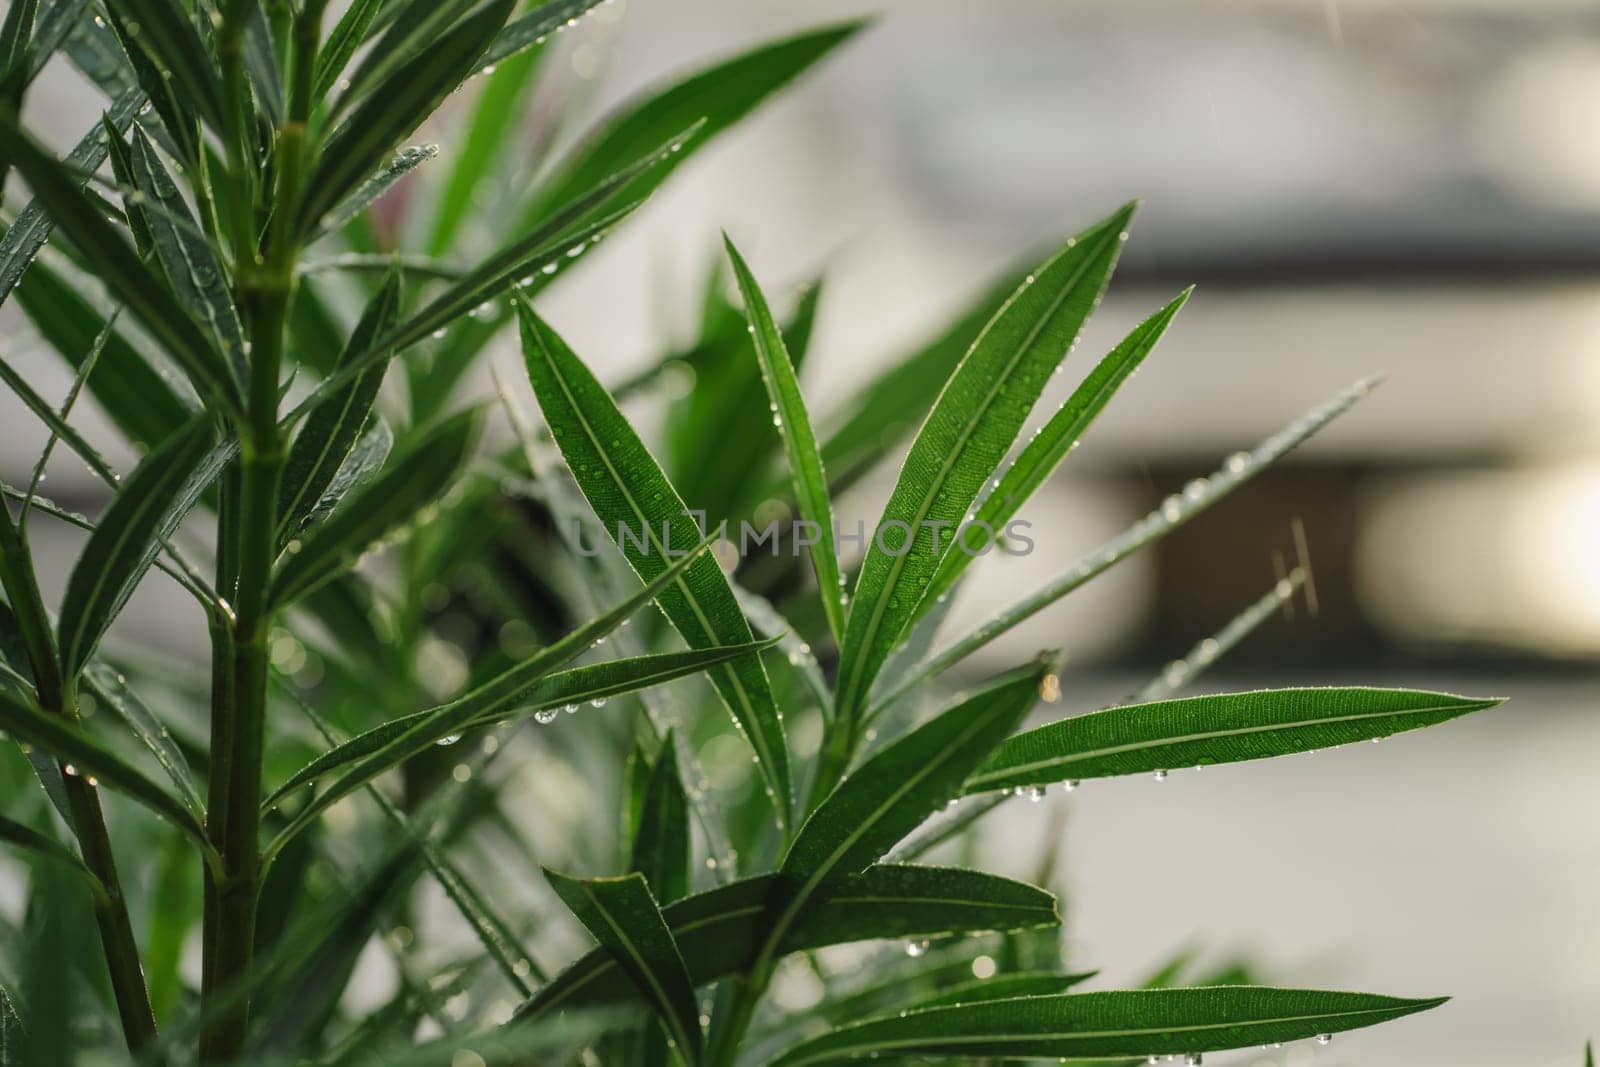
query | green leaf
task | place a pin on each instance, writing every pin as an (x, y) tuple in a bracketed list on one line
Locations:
[(410, 28), (721, 95), (109, 689), (367, 193), (489, 133), (13, 1039), (889, 407), (14, 37), (624, 918), (810, 481), (1199, 731), (387, 504), (1140, 1022), (118, 265), (166, 34), (33, 224), (342, 42), (523, 690), (364, 142), (488, 701), (149, 505), (30, 840), (139, 400), (1173, 512), (963, 441), (122, 170), (521, 34), (88, 757), (718, 930), (562, 235), (660, 849), (633, 498), (1059, 436), (185, 254), (329, 433), (894, 791), (1005, 987), (261, 62)]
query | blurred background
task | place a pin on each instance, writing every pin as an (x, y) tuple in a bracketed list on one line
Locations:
[(1406, 188)]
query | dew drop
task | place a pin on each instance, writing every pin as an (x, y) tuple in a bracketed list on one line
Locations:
[(916, 949), (448, 740), (545, 716), (1160, 776)]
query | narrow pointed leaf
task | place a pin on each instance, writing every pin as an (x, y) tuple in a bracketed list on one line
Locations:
[(29, 840), (1048, 448), (142, 404), (122, 170), (491, 699), (718, 930), (624, 918), (110, 690), (366, 140), (721, 95), (118, 265), (964, 440), (1140, 1022), (88, 757), (489, 136), (167, 35), (1199, 731), (330, 432), (367, 193), (809, 480), (363, 463), (522, 33), (342, 42), (186, 256), (515, 694), (559, 236), (34, 223), (661, 844), (409, 28), (149, 505), (388, 503), (899, 787), (1174, 512), (1005, 987), (629, 493), (261, 63)]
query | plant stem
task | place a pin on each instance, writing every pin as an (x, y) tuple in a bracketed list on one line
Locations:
[(55, 695), (241, 664)]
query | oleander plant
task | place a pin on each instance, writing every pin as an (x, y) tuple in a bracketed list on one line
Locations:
[(418, 792)]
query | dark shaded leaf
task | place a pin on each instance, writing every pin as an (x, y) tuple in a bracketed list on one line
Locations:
[(718, 931), (365, 141), (624, 918), (661, 844), (118, 265), (149, 505), (88, 757), (330, 431), (387, 504)]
